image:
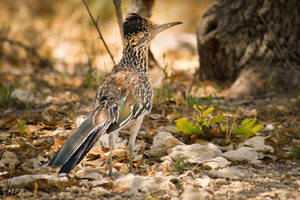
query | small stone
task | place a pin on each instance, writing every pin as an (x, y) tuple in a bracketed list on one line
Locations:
[(23, 96), (31, 164), (228, 172), (203, 181), (190, 192), (2, 165), (135, 185), (242, 154), (10, 159), (258, 143), (215, 163), (195, 153), (269, 127), (87, 173), (162, 142)]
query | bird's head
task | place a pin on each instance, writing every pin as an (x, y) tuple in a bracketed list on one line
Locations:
[(139, 30)]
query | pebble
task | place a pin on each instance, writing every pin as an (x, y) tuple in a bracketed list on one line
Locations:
[(242, 154), (195, 153), (162, 142)]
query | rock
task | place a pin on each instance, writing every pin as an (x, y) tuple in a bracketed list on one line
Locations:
[(95, 192), (2, 165), (215, 163), (228, 172), (28, 181), (23, 96), (170, 129), (10, 159), (103, 141), (31, 164), (203, 181), (88, 173), (195, 193), (242, 154), (269, 127), (142, 185), (258, 143), (162, 142), (227, 148), (195, 153)]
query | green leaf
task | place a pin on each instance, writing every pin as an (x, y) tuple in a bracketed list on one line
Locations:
[(257, 128), (207, 111), (216, 119), (224, 128), (185, 126)]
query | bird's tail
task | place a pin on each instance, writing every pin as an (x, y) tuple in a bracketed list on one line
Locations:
[(78, 144)]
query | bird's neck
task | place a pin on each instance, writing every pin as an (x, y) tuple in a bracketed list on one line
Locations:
[(135, 57)]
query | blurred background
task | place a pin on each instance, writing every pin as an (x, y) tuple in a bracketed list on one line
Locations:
[(62, 31)]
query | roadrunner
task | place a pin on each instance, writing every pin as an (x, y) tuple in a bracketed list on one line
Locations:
[(124, 97)]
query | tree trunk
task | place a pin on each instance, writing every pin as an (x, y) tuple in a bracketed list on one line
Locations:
[(255, 44)]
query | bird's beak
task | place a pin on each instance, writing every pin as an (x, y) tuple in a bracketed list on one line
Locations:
[(161, 27)]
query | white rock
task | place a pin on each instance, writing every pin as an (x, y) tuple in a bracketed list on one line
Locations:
[(103, 141), (258, 143), (142, 184), (10, 159), (228, 172), (162, 142), (269, 127), (195, 193), (203, 181), (195, 153), (242, 154), (215, 163), (2, 165), (23, 96), (88, 173), (25, 180)]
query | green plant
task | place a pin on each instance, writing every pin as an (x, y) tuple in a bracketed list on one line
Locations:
[(22, 126), (165, 93), (203, 121), (247, 128), (5, 93), (296, 150), (181, 166)]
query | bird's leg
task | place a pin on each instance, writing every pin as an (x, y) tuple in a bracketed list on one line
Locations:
[(133, 135), (111, 146)]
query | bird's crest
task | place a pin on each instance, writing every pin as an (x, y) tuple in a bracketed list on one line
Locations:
[(135, 24)]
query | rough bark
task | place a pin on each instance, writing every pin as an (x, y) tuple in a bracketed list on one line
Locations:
[(254, 43), (141, 7)]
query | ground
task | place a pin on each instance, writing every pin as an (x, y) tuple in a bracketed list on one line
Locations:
[(57, 83)]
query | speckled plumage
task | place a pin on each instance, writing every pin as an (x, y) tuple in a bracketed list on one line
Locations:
[(124, 96)]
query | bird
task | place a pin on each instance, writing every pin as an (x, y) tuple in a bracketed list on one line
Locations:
[(124, 97)]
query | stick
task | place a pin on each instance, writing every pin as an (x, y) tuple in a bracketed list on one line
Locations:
[(117, 4), (99, 33)]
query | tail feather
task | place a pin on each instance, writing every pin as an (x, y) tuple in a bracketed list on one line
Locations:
[(83, 149), (77, 145)]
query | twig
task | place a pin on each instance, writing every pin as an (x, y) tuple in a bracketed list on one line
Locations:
[(228, 134), (100, 35), (117, 4)]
